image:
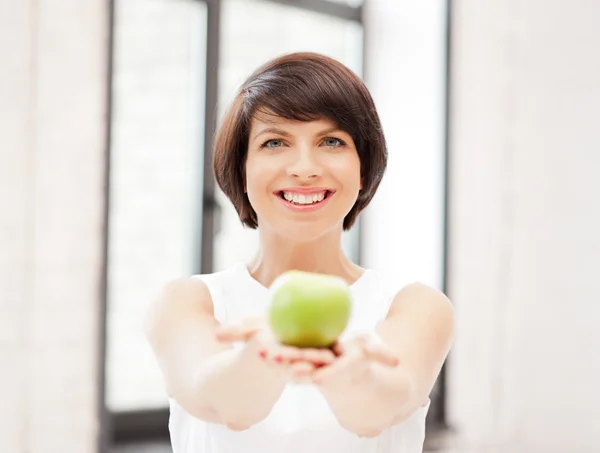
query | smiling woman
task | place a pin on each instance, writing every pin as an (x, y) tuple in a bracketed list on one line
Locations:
[(304, 97), (300, 153)]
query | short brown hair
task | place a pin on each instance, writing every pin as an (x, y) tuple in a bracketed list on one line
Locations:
[(303, 87)]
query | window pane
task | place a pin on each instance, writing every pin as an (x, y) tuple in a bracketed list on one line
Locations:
[(156, 179), (253, 32)]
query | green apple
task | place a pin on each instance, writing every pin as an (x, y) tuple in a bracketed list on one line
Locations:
[(309, 310)]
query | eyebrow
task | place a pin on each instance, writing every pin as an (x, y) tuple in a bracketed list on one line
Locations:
[(274, 130)]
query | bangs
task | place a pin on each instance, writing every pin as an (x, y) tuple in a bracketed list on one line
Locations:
[(308, 94)]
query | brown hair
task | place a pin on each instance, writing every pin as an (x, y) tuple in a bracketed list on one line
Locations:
[(302, 87)]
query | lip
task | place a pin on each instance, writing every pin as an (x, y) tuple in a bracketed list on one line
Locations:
[(305, 208), (305, 190)]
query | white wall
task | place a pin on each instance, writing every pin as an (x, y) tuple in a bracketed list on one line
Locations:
[(52, 123), (524, 226)]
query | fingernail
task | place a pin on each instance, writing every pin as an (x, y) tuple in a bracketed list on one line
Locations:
[(262, 354), (278, 359)]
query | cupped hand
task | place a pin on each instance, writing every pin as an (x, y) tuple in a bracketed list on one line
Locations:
[(298, 364), (355, 356)]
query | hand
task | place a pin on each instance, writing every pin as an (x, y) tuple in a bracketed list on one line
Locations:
[(298, 364), (355, 357)]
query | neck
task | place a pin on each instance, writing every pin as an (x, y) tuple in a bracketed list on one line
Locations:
[(323, 255)]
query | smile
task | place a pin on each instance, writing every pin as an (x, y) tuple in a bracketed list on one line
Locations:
[(304, 201)]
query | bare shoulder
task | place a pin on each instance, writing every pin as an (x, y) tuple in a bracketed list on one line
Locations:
[(177, 300), (421, 297)]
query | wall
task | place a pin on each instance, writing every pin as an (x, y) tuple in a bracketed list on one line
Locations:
[(52, 129), (524, 222)]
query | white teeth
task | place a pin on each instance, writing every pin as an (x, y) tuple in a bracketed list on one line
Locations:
[(302, 198)]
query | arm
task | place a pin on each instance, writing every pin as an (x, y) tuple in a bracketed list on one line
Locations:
[(208, 378), (418, 330)]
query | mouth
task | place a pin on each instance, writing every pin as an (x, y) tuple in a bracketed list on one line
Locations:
[(305, 201)]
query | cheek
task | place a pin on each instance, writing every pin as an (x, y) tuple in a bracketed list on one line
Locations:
[(349, 171), (257, 179), (353, 181), (252, 173)]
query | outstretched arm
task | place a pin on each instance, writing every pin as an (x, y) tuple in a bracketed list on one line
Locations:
[(365, 389), (211, 380)]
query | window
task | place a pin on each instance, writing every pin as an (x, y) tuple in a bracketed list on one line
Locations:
[(157, 136)]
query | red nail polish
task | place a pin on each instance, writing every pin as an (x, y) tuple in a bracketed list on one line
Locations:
[(278, 359), (262, 354)]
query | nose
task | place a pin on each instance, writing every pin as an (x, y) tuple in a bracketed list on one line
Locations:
[(304, 164)]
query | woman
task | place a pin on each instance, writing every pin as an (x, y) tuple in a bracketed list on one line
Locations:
[(300, 153)]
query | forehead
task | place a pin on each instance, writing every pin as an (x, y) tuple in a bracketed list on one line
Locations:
[(261, 121)]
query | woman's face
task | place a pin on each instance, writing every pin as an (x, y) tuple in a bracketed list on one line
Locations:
[(302, 178)]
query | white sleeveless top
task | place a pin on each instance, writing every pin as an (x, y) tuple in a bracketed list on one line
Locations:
[(300, 421)]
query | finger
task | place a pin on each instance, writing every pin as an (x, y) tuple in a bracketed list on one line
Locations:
[(343, 365), (328, 372), (379, 352), (241, 330), (231, 333), (318, 356), (280, 354), (287, 354), (337, 348), (300, 372)]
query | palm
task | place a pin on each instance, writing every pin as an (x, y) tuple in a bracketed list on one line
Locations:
[(298, 363)]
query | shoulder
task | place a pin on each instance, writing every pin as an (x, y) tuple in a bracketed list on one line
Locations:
[(176, 300), (187, 296), (182, 298), (423, 298), (196, 287)]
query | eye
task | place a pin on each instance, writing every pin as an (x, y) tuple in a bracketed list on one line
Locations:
[(272, 143), (334, 142)]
